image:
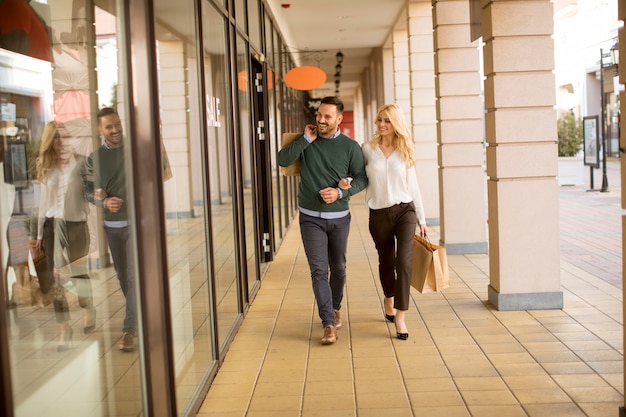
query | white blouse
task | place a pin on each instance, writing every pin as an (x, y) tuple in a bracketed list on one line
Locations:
[(62, 196), (390, 181)]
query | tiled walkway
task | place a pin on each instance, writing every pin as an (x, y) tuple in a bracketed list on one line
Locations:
[(463, 358)]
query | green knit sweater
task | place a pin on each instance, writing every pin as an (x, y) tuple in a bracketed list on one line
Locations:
[(105, 169), (323, 163)]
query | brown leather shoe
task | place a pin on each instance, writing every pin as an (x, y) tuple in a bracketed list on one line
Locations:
[(338, 323), (127, 343), (330, 335)]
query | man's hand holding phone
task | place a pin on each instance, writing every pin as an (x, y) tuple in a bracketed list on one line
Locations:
[(311, 131)]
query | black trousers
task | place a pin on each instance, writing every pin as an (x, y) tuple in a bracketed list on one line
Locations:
[(392, 230), (73, 239)]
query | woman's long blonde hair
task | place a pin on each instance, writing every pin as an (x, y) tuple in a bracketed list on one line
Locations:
[(403, 140), (47, 156)]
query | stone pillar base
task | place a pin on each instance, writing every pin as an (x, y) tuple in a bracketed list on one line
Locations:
[(527, 301), (466, 248)]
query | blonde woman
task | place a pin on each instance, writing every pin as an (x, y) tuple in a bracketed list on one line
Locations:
[(62, 228), (396, 209)]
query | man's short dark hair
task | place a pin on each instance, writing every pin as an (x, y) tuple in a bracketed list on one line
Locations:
[(335, 101), (106, 111)]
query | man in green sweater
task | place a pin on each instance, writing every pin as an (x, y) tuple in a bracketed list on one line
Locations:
[(105, 169), (327, 157)]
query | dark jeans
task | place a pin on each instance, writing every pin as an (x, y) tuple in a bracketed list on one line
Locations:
[(118, 239), (325, 243), (392, 230)]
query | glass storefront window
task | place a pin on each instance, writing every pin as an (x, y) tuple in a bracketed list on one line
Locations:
[(221, 157), (247, 151), (254, 23), (269, 39), (186, 197), (67, 212), (241, 15)]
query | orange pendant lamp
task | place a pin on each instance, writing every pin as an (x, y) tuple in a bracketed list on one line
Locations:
[(305, 78)]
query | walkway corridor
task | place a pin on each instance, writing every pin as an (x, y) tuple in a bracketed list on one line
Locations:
[(463, 358)]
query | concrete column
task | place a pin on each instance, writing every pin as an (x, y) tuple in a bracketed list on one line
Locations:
[(401, 80), (460, 130), (523, 214), (423, 115)]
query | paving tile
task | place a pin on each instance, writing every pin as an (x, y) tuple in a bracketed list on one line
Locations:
[(601, 409), (565, 368), (276, 403), (497, 411), (450, 411), (541, 396), (593, 394), (379, 386), (387, 412), (530, 382), (338, 402), (554, 410), (488, 397), (392, 400), (429, 384), (436, 398)]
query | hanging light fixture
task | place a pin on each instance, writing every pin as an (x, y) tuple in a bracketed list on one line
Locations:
[(306, 77), (339, 57)]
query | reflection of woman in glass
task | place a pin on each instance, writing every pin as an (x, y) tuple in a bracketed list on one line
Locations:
[(62, 229)]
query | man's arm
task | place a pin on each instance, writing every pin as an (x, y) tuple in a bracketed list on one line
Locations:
[(357, 169), (88, 176), (291, 153)]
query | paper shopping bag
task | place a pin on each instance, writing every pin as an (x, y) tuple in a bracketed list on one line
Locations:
[(293, 169), (430, 266)]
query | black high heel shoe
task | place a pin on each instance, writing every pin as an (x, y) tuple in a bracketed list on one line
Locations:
[(390, 318), (402, 336), (62, 347)]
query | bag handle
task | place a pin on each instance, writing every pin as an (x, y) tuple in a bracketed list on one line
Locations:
[(426, 242)]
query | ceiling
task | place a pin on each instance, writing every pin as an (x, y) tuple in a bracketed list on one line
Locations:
[(355, 27)]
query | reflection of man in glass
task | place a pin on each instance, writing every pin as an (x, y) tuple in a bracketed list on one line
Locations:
[(105, 167)]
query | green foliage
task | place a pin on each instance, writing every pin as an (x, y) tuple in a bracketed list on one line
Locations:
[(570, 131)]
